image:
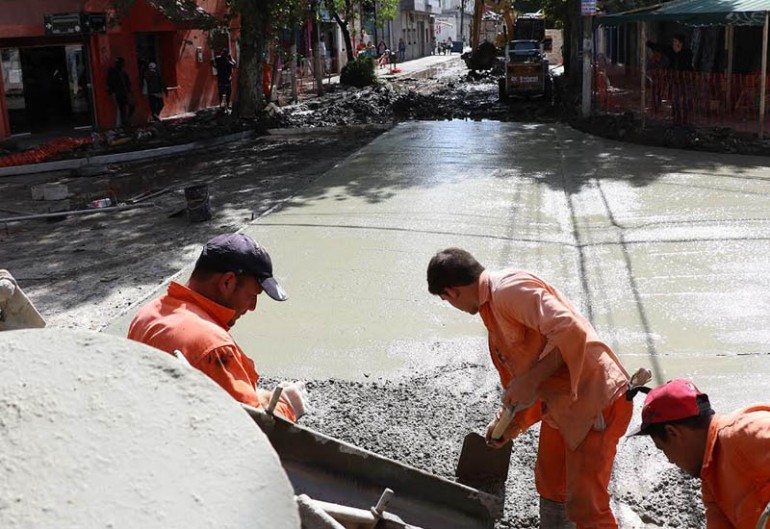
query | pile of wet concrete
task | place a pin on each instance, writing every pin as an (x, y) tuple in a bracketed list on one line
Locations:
[(421, 420)]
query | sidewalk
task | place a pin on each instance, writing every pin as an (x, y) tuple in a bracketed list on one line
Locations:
[(421, 68)]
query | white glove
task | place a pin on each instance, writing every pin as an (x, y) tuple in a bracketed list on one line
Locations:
[(296, 395)]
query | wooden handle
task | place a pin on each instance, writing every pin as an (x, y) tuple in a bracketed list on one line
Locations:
[(274, 399), (504, 422)]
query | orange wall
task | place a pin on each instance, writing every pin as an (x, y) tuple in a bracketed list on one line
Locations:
[(195, 85)]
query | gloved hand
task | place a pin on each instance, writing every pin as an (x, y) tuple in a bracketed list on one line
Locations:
[(295, 394), (513, 431)]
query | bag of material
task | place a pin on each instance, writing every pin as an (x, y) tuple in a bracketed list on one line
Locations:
[(16, 310)]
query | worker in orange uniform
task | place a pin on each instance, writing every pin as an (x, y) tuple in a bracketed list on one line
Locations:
[(729, 453), (549, 355), (231, 272)]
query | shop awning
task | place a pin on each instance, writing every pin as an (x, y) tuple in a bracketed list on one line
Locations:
[(185, 12), (695, 13)]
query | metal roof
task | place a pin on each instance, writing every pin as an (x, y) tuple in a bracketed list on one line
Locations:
[(696, 13)]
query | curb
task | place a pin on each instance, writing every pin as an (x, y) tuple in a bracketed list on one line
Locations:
[(131, 156)]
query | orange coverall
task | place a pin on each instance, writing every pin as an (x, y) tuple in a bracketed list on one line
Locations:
[(198, 327), (582, 405), (736, 468)]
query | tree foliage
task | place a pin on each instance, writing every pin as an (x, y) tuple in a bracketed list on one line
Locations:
[(344, 13)]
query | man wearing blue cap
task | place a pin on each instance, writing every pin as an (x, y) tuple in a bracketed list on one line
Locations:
[(231, 272)]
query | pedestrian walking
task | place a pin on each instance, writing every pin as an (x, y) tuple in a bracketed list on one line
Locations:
[(119, 87), (729, 453), (224, 64), (154, 88), (552, 363), (401, 50)]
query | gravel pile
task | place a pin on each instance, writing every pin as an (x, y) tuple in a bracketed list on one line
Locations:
[(421, 420)]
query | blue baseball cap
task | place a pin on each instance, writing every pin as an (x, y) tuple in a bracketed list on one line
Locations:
[(240, 254)]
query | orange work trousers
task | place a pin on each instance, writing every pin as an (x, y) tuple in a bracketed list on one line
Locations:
[(580, 478)]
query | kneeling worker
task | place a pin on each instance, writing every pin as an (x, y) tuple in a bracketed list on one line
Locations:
[(231, 272), (729, 453)]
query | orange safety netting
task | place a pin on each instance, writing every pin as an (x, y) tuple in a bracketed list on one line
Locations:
[(682, 98), (44, 152)]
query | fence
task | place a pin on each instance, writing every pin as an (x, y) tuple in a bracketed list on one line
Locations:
[(305, 78), (682, 98)]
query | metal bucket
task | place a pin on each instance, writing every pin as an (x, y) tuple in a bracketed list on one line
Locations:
[(198, 203)]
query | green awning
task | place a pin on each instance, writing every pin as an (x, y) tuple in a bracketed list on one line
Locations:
[(695, 13)]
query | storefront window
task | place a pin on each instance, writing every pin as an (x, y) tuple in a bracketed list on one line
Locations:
[(46, 88)]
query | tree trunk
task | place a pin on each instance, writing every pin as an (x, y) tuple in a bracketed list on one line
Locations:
[(249, 99), (345, 36)]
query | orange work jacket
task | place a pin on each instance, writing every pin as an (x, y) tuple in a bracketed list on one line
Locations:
[(736, 468), (527, 319), (198, 327)]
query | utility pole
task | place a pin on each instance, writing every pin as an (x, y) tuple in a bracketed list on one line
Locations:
[(588, 10), (462, 19)]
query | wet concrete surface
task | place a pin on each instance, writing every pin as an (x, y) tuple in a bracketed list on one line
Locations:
[(665, 251)]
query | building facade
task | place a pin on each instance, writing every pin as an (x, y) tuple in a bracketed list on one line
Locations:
[(455, 19), (56, 55)]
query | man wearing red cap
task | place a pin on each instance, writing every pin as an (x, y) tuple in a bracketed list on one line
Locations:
[(231, 272), (548, 354), (729, 453)]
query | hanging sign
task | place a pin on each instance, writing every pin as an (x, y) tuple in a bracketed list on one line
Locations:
[(75, 23), (588, 8)]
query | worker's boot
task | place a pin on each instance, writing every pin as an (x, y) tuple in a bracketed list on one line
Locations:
[(553, 515)]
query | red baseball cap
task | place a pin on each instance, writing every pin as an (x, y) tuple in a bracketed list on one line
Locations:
[(673, 401)]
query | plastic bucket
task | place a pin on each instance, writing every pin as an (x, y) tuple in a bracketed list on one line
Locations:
[(198, 203)]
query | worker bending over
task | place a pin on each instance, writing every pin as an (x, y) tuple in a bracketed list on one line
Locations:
[(231, 272), (547, 353), (729, 453)]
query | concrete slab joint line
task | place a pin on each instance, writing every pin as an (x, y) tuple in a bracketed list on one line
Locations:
[(146, 154)]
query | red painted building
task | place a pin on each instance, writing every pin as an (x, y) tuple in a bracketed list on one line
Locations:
[(55, 56)]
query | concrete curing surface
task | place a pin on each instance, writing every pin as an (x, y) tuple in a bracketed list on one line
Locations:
[(665, 251)]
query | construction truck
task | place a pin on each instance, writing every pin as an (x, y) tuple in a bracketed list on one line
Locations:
[(525, 65), (525, 71)]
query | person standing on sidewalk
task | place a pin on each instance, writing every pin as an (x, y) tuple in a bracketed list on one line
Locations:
[(401, 50), (224, 65), (552, 363), (119, 87), (154, 88), (680, 61)]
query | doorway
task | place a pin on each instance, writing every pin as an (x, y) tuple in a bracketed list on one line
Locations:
[(47, 89), (421, 36)]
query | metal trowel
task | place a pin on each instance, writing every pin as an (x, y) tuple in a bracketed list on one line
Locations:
[(483, 467)]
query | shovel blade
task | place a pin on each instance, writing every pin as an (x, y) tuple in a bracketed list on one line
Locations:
[(483, 467)]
